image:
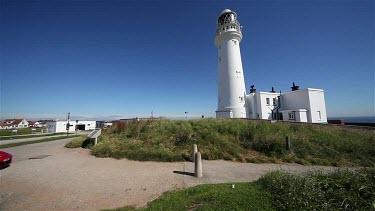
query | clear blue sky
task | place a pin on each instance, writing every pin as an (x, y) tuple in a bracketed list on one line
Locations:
[(114, 59)]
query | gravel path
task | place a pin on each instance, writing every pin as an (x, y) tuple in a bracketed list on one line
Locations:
[(47, 176)]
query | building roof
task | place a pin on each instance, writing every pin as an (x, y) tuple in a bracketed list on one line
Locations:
[(14, 121), (3, 124)]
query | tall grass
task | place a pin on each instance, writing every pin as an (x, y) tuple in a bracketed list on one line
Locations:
[(238, 140), (339, 190)]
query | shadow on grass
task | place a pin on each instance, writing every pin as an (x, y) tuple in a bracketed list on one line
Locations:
[(184, 173), (87, 143)]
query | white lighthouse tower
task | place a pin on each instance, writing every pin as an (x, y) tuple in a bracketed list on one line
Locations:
[(231, 86)]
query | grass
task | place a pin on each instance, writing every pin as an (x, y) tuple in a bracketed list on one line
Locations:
[(20, 131), (245, 196), (81, 141), (36, 141), (29, 136), (238, 140), (278, 190), (339, 190)]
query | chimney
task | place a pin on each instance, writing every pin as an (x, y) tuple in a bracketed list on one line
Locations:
[(273, 90), (294, 87), (252, 90)]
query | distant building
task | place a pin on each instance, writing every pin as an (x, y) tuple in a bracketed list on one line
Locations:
[(103, 124), (60, 126), (306, 105), (3, 125), (14, 124), (35, 124)]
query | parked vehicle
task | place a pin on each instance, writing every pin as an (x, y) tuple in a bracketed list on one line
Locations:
[(5, 159)]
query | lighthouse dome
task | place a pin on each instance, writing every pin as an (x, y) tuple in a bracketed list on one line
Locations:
[(225, 11), (227, 16)]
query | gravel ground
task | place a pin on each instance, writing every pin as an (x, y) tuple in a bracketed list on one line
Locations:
[(47, 176)]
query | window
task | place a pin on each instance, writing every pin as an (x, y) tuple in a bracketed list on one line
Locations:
[(319, 115), (267, 101), (219, 59), (274, 101), (291, 116)]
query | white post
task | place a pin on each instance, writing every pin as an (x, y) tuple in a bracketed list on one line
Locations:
[(195, 150), (96, 141), (198, 165)]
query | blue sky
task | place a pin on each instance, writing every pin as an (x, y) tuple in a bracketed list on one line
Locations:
[(112, 59)]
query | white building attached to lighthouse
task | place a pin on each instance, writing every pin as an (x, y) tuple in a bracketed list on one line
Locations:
[(306, 105)]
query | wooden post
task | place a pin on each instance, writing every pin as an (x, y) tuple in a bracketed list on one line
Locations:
[(96, 141), (198, 165), (195, 150), (287, 143)]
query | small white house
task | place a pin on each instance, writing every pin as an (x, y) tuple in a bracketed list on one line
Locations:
[(261, 105), (60, 126), (306, 105), (310, 100), (14, 124)]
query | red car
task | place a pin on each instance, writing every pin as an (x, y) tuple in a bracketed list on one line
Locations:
[(5, 159)]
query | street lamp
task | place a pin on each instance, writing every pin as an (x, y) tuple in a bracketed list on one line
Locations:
[(186, 113)]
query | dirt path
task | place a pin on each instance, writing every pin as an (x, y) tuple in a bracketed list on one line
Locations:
[(56, 178)]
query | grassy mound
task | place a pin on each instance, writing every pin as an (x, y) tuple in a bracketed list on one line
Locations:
[(278, 190), (238, 140)]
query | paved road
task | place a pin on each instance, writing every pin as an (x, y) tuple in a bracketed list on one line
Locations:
[(47, 176)]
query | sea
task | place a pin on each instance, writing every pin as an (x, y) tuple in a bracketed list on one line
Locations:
[(357, 119)]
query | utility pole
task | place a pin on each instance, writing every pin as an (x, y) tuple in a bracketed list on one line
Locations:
[(186, 113), (68, 125)]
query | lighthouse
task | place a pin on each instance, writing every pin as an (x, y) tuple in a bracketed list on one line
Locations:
[(231, 83)]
